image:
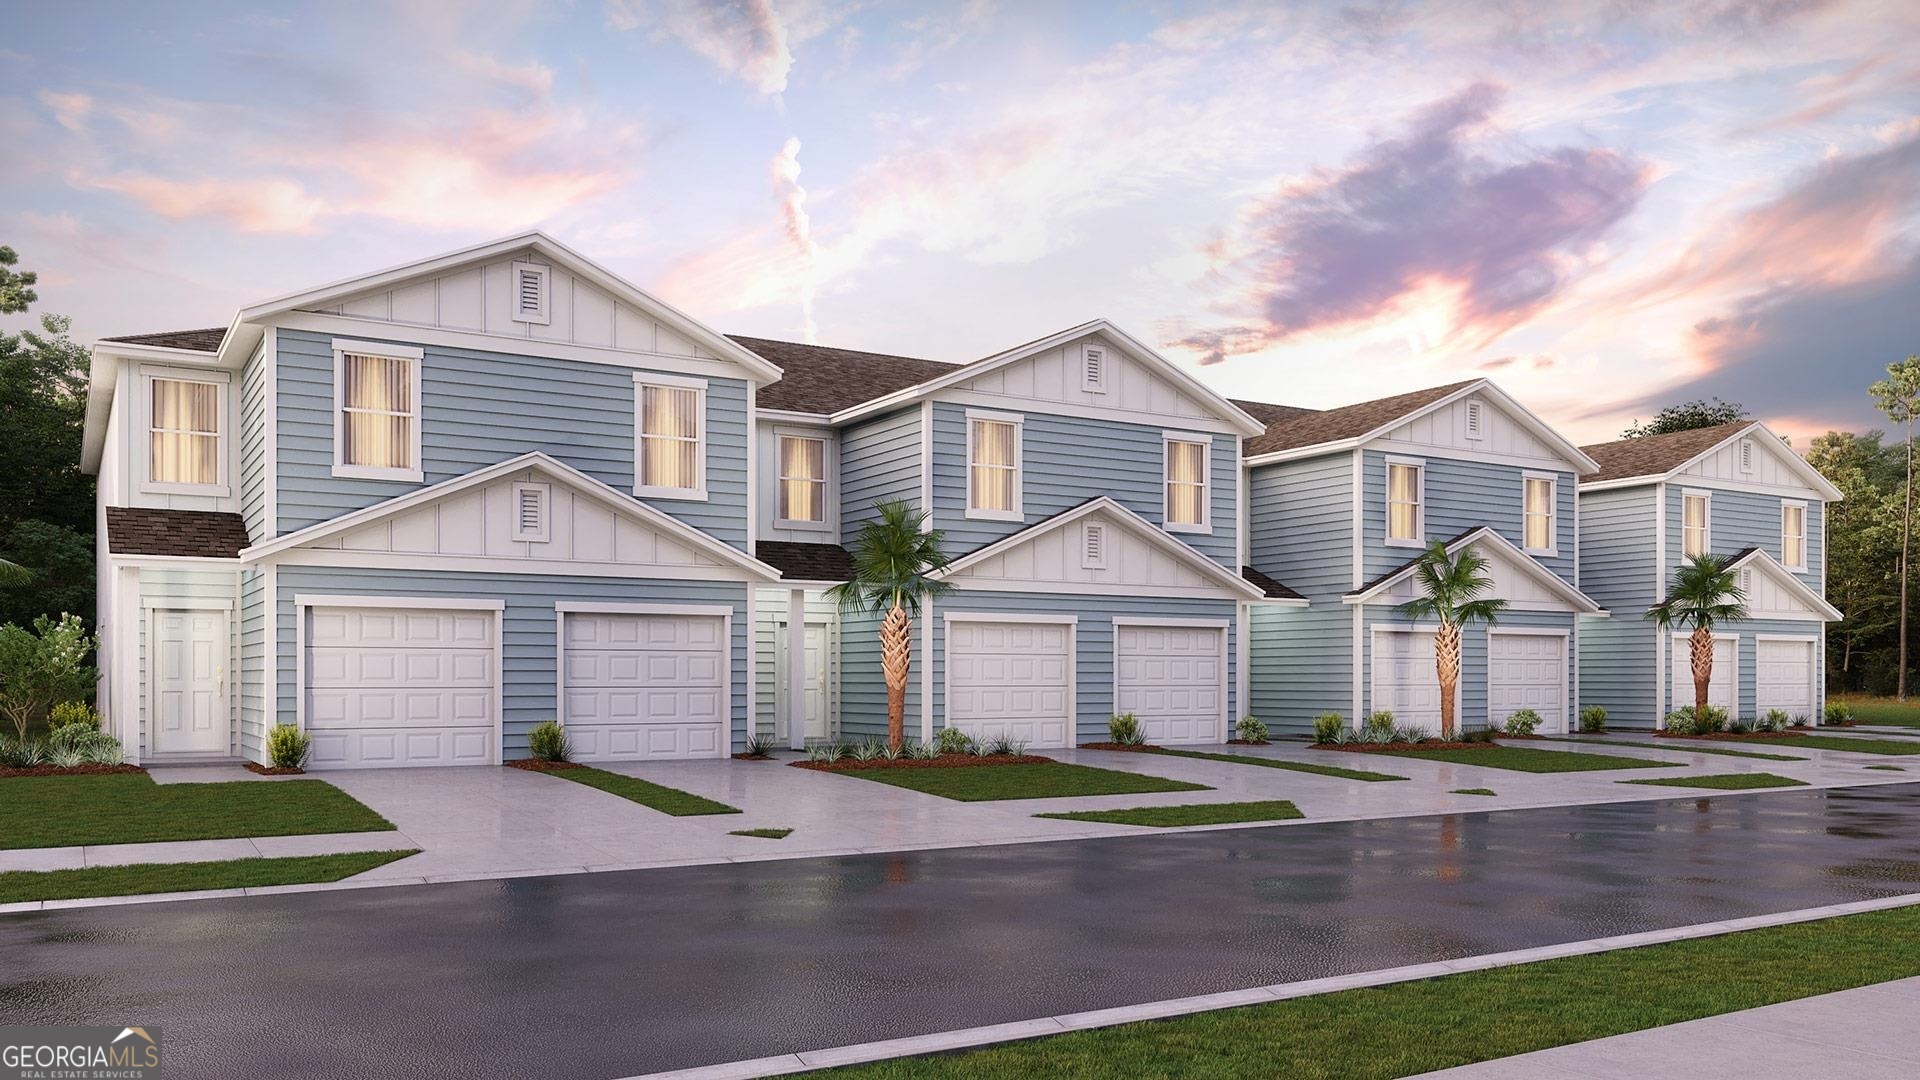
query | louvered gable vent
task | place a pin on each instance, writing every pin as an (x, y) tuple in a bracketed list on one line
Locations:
[(1093, 546), (1093, 368), (531, 288), (530, 512)]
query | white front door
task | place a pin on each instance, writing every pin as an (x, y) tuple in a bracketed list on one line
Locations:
[(1173, 678), (1527, 671), (189, 673), (1404, 680), (1011, 679), (1783, 677), (389, 687), (643, 685), (816, 687), (1719, 686)]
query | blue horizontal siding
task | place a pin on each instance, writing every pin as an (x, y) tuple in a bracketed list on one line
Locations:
[(879, 462), (1462, 495), (1742, 519)]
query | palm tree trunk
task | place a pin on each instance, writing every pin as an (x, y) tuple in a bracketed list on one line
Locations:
[(1700, 651), (1446, 661), (896, 659)]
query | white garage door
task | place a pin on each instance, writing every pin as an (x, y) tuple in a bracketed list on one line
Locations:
[(1011, 679), (1528, 671), (389, 687), (645, 686), (1719, 686), (1404, 680), (1172, 678), (1783, 676)]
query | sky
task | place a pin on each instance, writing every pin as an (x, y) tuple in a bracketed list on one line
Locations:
[(1603, 206)]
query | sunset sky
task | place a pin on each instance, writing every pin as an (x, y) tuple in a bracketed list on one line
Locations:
[(1615, 206)]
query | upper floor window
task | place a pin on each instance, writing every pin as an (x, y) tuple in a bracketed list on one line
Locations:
[(1793, 534), (1695, 535), (1186, 467), (1538, 513), (670, 433), (1405, 524), (803, 480), (183, 431), (377, 414), (993, 466)]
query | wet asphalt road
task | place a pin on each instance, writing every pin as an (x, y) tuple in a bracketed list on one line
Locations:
[(612, 974)]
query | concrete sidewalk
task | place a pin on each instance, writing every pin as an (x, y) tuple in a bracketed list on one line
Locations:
[(179, 851), (1862, 1034)]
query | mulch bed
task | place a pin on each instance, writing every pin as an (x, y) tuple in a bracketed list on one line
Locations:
[(944, 761), (1737, 736), (1388, 748), (1249, 742), (536, 765), (71, 770), (753, 757), (274, 770), (1132, 748)]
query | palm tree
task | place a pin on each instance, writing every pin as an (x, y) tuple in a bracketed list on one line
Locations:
[(892, 558), (1453, 585), (14, 573), (1706, 592)]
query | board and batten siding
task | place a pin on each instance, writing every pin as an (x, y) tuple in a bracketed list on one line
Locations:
[(479, 408), (1619, 656), (251, 465), (203, 588), (1067, 460), (1300, 522), (1737, 520), (530, 644), (879, 461), (1473, 659), (770, 613), (1461, 495)]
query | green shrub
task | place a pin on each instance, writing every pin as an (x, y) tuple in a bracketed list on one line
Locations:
[(1379, 727), (21, 753), (923, 751), (869, 750), (826, 752), (42, 667), (1250, 729), (288, 747), (1124, 728), (1328, 726), (548, 742), (1593, 719), (72, 714), (1408, 734), (1775, 720), (759, 745), (1838, 712), (953, 741), (1523, 722), (1477, 735), (1681, 721)]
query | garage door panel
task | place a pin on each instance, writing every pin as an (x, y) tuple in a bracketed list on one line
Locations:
[(1784, 677), (1010, 680), (399, 687), (1404, 681), (641, 686), (1527, 671), (1169, 678), (1720, 687)]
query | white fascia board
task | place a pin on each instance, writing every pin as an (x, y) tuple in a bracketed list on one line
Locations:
[(1778, 571), (1581, 602), (1801, 467)]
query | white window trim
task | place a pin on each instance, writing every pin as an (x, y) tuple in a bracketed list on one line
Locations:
[(1019, 422), (545, 532), (343, 346), (1420, 506), (1093, 386), (828, 480), (542, 315), (1205, 524), (1706, 538), (1801, 566), (1553, 514), (221, 487), (698, 492)]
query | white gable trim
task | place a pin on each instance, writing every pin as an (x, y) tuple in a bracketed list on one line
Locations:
[(1126, 343), (1578, 601), (566, 474), (1127, 520), (1772, 567), (1806, 472)]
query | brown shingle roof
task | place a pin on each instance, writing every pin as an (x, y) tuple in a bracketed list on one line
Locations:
[(1271, 414), (806, 562), (1273, 589), (139, 530), (1656, 455), (818, 379), (1346, 422), (207, 340)]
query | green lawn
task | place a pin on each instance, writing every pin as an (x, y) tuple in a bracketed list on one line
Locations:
[(143, 878), (1167, 817), (129, 808), (1723, 781), (1411, 1028), (653, 796), (1857, 744), (1887, 768), (1884, 710), (764, 834), (1276, 763), (1533, 760), (1691, 748), (1053, 780), (1474, 791)]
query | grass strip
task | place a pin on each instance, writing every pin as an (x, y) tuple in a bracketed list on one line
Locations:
[(143, 878), (1532, 760), (1890, 712), (1689, 749), (1168, 817), (650, 795), (1722, 782), (1053, 780), (1852, 744), (1474, 791), (1276, 763), (764, 834), (1416, 1027), (129, 808), (1886, 768)]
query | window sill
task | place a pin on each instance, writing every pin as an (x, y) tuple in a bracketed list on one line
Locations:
[(1543, 553), (803, 526), (212, 491), (672, 493), (995, 515), (1183, 527), (368, 472), (1391, 542)]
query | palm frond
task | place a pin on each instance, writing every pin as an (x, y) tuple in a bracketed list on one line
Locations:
[(1453, 584), (1705, 592), (12, 573), (892, 560)]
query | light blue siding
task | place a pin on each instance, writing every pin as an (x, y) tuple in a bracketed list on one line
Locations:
[(530, 646), (190, 588), (253, 444), (1093, 642), (479, 408), (1462, 495), (1066, 460), (1742, 519), (1619, 655), (879, 461), (254, 713), (863, 684), (1300, 532)]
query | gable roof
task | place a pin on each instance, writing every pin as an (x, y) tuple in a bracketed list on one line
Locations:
[(203, 534), (1273, 589), (207, 340), (1128, 520), (567, 474), (1652, 458), (1758, 558), (1576, 599), (818, 379)]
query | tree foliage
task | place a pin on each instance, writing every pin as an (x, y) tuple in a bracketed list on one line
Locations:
[(16, 286), (1687, 416), (42, 667)]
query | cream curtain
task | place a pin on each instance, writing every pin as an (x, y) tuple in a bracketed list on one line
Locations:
[(1539, 514), (1403, 502), (1693, 526), (185, 433), (803, 479), (1186, 483), (993, 466), (1793, 535), (377, 411), (669, 437)]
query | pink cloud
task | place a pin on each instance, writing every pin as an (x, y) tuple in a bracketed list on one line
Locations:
[(264, 205)]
